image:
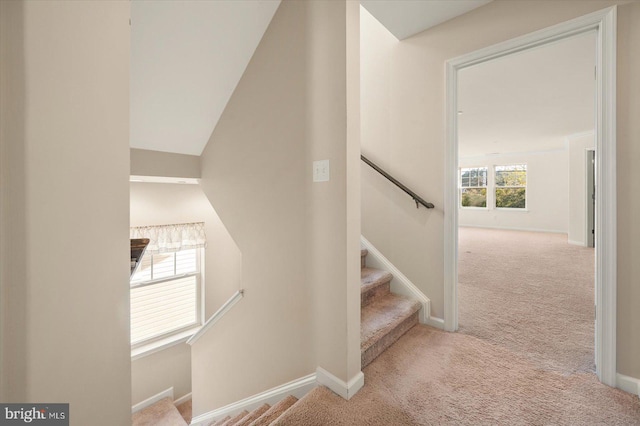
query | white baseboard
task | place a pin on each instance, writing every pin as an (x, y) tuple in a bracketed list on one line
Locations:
[(506, 228), (339, 386), (435, 322), (400, 284), (167, 393), (577, 243), (182, 399), (628, 384), (298, 388)]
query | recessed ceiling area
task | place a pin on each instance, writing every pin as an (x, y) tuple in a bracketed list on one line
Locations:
[(529, 101), (186, 59)]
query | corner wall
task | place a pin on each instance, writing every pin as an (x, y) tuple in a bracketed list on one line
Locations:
[(65, 244), (295, 236), (414, 148)]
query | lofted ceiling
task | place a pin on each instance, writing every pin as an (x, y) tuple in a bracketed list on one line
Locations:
[(530, 101), (188, 56)]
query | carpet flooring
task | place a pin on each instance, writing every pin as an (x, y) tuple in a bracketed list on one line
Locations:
[(530, 292), (523, 356)]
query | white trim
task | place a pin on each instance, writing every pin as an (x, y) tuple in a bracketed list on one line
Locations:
[(298, 388), (628, 384), (577, 243), (163, 179), (435, 322), (167, 393), (400, 284), (226, 307), (579, 135), (604, 22), (339, 386), (159, 345), (182, 399), (506, 228)]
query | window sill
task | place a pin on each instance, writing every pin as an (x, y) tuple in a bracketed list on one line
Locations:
[(506, 209), (167, 342)]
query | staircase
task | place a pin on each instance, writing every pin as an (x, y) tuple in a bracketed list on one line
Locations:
[(384, 318)]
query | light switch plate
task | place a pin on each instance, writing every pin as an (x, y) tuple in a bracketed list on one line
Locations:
[(321, 171)]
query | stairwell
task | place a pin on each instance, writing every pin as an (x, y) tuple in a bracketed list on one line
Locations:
[(384, 318)]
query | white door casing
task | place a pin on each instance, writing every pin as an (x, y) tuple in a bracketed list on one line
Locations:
[(604, 23)]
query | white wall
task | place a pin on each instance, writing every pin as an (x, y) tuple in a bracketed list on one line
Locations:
[(578, 147), (414, 149), (547, 187), (162, 204), (65, 243)]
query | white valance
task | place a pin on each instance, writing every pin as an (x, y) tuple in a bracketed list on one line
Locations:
[(171, 238)]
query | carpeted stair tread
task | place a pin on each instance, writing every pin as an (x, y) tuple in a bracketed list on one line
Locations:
[(300, 414), (374, 283), (363, 257), (274, 412), (220, 422), (162, 413), (253, 415), (235, 419), (383, 321), (185, 411)]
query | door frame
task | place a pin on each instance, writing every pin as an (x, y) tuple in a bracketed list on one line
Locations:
[(604, 23)]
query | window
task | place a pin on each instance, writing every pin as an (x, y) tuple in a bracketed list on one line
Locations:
[(511, 186), (165, 295), (473, 187)]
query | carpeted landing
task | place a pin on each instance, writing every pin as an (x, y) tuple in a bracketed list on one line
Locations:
[(431, 377)]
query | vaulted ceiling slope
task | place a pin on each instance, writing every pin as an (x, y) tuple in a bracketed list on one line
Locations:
[(186, 60), (188, 56)]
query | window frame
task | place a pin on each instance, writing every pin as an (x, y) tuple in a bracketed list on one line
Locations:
[(525, 186), (173, 337), (486, 188)]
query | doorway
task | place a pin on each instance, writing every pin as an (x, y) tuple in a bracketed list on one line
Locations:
[(603, 22)]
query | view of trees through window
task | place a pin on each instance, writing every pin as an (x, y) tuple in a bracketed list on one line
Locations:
[(511, 186), (473, 187)]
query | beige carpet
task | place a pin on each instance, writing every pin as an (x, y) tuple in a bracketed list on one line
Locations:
[(430, 377), (529, 292), (162, 413), (523, 356)]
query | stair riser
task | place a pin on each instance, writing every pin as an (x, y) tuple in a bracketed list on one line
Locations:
[(371, 294), (381, 345)]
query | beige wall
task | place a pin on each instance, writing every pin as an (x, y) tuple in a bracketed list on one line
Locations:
[(162, 204), (547, 187), (578, 188), (160, 371), (164, 164), (288, 109), (414, 147), (65, 241)]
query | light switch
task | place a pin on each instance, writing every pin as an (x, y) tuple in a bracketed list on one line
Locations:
[(321, 171)]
